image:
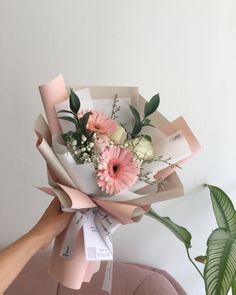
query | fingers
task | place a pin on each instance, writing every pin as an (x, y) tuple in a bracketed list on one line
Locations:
[(55, 205), (54, 209), (67, 216), (55, 202)]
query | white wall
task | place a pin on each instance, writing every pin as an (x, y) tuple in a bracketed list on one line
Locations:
[(183, 49)]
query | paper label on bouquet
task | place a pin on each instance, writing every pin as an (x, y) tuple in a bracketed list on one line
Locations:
[(106, 225), (68, 245), (95, 242)]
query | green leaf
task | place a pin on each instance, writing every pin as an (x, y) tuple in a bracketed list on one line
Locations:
[(149, 125), (223, 209), (147, 137), (146, 121), (180, 232), (90, 136), (135, 114), (65, 111), (67, 136), (137, 128), (66, 118), (83, 121), (220, 266), (201, 259), (74, 102), (77, 134), (233, 286), (138, 124), (151, 106)]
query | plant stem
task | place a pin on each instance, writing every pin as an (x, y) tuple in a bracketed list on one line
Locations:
[(190, 259), (233, 289), (76, 120)]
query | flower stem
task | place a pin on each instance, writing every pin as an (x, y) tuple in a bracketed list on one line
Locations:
[(190, 259)]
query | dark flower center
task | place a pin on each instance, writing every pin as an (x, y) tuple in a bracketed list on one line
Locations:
[(115, 168)]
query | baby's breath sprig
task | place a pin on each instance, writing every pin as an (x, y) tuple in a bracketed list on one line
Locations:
[(146, 178), (160, 183), (82, 149), (115, 108), (166, 161)]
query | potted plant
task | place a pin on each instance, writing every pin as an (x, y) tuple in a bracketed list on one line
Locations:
[(219, 273)]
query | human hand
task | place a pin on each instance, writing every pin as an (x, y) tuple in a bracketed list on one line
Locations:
[(52, 223)]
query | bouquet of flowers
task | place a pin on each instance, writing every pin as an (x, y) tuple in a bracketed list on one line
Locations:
[(109, 155)]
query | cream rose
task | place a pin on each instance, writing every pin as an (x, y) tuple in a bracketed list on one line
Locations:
[(100, 143), (119, 136), (141, 147)]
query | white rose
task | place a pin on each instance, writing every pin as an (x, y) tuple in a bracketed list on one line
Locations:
[(119, 136), (141, 147)]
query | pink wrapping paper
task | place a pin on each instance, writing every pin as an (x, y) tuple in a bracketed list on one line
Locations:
[(53, 93), (125, 213), (179, 124), (71, 272)]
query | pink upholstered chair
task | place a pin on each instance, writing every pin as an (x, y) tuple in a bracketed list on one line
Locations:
[(128, 279)]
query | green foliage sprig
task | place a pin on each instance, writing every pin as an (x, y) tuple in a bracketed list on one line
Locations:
[(80, 123), (149, 108), (79, 142)]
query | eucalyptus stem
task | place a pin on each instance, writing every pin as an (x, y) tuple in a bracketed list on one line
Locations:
[(190, 259)]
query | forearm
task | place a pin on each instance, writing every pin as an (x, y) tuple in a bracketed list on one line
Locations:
[(14, 257)]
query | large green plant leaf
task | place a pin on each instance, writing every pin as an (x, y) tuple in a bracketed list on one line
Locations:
[(221, 262), (223, 209), (180, 232), (233, 286)]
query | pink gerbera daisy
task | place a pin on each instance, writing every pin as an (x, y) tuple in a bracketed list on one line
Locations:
[(100, 123), (117, 169)]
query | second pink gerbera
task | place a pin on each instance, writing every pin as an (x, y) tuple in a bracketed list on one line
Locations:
[(100, 123), (117, 170)]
